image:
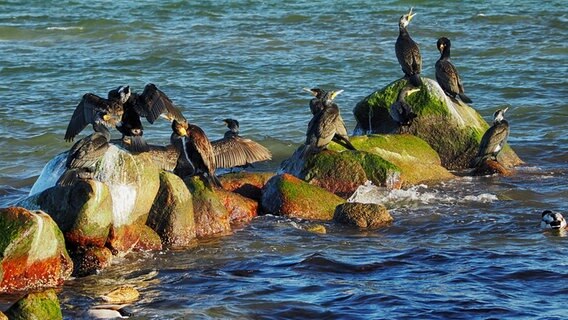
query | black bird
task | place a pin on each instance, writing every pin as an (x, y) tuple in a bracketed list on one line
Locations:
[(94, 109), (316, 104), (132, 130), (552, 220), (196, 152), (446, 73), (327, 125), (235, 151), (153, 103), (493, 139), (400, 111), (407, 51)]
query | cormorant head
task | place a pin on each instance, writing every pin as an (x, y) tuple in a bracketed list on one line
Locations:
[(499, 115), (232, 124), (405, 19), (406, 91), (180, 128), (124, 92), (443, 43), (316, 92), (552, 220), (331, 95)]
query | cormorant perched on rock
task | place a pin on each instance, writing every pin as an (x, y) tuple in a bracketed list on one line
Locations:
[(196, 152), (327, 125), (235, 151), (316, 104), (132, 130), (493, 140), (400, 111), (552, 220), (447, 74), (152, 103), (407, 51), (94, 109)]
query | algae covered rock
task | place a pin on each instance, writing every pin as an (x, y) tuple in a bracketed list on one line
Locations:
[(211, 216), (289, 196), (241, 209), (452, 128), (90, 260), (172, 214), (248, 184), (32, 250), (416, 160), (362, 215), (36, 305)]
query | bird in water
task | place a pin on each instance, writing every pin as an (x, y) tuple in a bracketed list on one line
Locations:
[(552, 220), (234, 151), (400, 111), (327, 125), (97, 111), (493, 139), (407, 51), (84, 155), (446, 73), (196, 152), (316, 104)]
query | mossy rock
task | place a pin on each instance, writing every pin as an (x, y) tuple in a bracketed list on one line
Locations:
[(241, 209), (247, 184), (37, 305), (416, 160), (452, 128), (363, 215), (289, 196), (211, 216)]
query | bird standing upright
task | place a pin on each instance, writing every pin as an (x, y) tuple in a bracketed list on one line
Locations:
[(446, 73), (493, 139), (407, 51)]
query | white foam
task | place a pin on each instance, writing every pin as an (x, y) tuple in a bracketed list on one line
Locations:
[(64, 28), (123, 202)]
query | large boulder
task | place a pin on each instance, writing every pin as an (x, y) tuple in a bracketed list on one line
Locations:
[(211, 216), (248, 184), (451, 127), (32, 250), (417, 161), (241, 209), (172, 214), (289, 196), (36, 305)]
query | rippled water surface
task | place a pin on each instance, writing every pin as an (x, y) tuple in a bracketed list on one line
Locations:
[(470, 248)]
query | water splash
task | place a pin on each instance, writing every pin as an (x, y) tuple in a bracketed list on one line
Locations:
[(50, 173)]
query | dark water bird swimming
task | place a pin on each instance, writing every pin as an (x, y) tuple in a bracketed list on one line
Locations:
[(196, 152), (493, 140), (447, 74), (407, 51), (400, 111), (235, 151), (552, 220)]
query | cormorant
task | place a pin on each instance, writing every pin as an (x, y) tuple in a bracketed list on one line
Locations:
[(447, 74), (152, 103), (552, 220), (327, 125), (400, 111), (234, 150), (493, 139), (407, 51), (196, 152), (132, 130), (316, 104)]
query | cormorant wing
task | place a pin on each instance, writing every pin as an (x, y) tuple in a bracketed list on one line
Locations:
[(494, 139), (203, 147), (84, 114), (447, 77), (238, 151), (153, 102), (408, 55), (323, 128), (87, 151)]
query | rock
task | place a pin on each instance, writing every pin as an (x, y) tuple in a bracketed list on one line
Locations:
[(248, 184), (417, 161), (490, 167), (124, 294), (316, 228), (362, 215), (172, 214), (452, 128), (32, 250), (3, 316), (37, 305), (289, 196), (211, 216), (82, 211), (342, 172), (90, 260), (241, 209), (133, 237)]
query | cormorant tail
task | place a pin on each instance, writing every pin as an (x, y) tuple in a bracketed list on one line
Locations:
[(138, 144), (464, 98), (415, 80), (71, 176), (344, 142), (214, 181)]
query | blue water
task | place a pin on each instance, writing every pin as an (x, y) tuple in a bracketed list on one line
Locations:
[(470, 248)]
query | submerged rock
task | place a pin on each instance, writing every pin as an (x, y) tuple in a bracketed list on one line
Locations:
[(416, 160), (90, 260), (248, 184), (489, 167), (36, 305), (211, 216), (451, 127), (289, 196), (362, 215), (32, 250), (172, 214)]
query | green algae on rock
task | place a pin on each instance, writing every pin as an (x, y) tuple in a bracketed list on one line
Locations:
[(36, 305), (33, 251), (211, 216), (292, 197), (451, 127)]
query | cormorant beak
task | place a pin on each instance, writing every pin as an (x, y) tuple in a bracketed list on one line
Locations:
[(411, 91), (410, 14), (310, 91), (335, 94), (505, 110), (182, 132), (107, 117)]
